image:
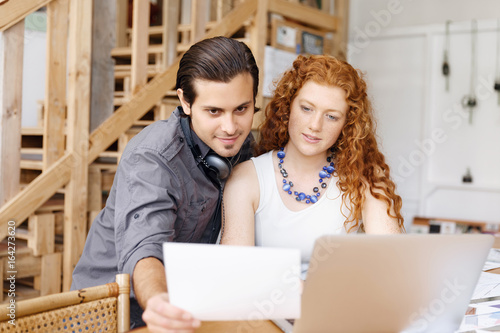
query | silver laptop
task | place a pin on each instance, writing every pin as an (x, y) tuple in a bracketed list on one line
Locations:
[(391, 283)]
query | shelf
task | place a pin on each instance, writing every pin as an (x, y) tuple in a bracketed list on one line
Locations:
[(433, 187)]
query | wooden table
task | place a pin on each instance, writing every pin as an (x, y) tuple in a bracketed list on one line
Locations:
[(263, 326)]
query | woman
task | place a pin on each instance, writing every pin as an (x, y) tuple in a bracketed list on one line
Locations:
[(319, 171)]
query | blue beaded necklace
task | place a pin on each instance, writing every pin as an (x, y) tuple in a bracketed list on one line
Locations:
[(326, 172)]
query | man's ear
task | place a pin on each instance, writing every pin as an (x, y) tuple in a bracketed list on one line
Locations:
[(185, 105)]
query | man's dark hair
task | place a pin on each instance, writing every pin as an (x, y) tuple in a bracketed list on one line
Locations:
[(217, 59)]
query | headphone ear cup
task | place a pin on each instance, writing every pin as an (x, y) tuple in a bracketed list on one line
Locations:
[(219, 164)]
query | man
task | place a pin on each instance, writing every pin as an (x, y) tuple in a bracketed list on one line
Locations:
[(167, 185)]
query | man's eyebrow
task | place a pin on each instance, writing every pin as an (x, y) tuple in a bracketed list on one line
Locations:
[(244, 104), (208, 107), (217, 108)]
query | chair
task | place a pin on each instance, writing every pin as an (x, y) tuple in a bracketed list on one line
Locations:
[(104, 308)]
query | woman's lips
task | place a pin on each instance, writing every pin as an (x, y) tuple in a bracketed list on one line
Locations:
[(311, 138)]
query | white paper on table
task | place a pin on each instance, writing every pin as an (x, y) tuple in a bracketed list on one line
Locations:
[(488, 265), (487, 286), (223, 282), (493, 260)]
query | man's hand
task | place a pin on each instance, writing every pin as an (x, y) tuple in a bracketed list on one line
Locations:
[(161, 316), (150, 288)]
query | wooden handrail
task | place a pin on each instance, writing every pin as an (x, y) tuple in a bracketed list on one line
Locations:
[(13, 12), (36, 193), (304, 14)]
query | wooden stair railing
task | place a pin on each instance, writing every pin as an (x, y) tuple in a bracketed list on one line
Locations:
[(12, 12)]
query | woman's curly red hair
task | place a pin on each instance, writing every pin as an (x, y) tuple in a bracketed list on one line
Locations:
[(359, 163)]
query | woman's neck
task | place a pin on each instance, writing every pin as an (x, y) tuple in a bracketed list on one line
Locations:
[(304, 164)]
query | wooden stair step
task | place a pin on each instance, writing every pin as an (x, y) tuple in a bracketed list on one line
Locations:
[(108, 153), (126, 52), (111, 167), (31, 164), (22, 233), (32, 131), (32, 151), (157, 30), (124, 71), (52, 205)]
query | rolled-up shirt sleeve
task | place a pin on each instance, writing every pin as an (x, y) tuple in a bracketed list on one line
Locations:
[(147, 197)]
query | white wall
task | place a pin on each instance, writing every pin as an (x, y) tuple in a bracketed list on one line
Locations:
[(423, 128), (33, 72), (405, 13), (33, 75)]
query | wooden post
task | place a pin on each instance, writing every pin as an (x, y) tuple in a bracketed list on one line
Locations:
[(95, 193), (121, 23), (140, 43), (11, 86), (75, 201), (103, 80), (42, 231), (258, 45), (55, 82), (341, 12), (199, 9), (50, 275), (169, 39), (1, 277)]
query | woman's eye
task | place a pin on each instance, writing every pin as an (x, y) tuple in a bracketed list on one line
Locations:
[(305, 108), (331, 117)]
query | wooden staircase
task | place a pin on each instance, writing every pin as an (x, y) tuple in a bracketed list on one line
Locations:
[(60, 172)]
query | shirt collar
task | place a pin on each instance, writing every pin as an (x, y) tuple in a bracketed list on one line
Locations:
[(204, 149)]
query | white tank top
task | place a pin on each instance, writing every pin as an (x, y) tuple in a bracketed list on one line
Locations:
[(277, 226)]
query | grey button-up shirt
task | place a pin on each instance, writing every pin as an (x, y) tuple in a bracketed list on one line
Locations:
[(159, 194)]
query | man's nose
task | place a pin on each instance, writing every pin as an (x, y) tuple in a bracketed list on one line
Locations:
[(229, 125)]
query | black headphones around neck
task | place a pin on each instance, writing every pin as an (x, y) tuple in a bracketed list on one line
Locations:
[(215, 167)]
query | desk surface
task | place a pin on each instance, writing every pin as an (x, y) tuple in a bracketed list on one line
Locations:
[(264, 326)]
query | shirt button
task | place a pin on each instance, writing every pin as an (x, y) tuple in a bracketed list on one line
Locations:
[(136, 216), (181, 139)]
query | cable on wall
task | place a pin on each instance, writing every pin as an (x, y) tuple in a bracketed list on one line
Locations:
[(446, 65), (497, 71), (469, 101)]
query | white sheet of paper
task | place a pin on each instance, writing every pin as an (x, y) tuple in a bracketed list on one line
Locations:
[(487, 286), (223, 282)]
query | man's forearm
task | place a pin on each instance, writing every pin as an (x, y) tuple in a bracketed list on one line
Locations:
[(148, 279)]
